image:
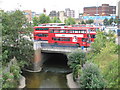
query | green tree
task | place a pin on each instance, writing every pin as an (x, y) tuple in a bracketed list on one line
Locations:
[(83, 22), (35, 21), (14, 44), (99, 42), (44, 19), (89, 21), (110, 21), (91, 77), (106, 21), (70, 21), (75, 61), (15, 27), (56, 20)]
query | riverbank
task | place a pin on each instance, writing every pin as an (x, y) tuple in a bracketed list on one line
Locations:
[(70, 82), (22, 82)]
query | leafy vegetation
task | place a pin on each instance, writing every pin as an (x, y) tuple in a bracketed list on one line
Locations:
[(70, 21), (101, 68), (110, 21), (56, 20), (45, 19), (15, 29), (75, 61), (91, 77)]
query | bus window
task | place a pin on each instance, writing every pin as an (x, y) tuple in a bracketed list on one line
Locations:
[(42, 35), (61, 39), (76, 31), (41, 28), (92, 36), (62, 31), (51, 31)]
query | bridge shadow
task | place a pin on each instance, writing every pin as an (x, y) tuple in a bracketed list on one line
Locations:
[(55, 62)]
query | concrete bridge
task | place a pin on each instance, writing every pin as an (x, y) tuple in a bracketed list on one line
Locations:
[(46, 47), (40, 46)]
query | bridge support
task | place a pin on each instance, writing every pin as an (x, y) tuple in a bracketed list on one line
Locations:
[(37, 57)]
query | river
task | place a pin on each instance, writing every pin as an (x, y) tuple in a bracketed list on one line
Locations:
[(53, 75)]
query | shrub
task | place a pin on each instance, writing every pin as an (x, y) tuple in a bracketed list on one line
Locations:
[(75, 61), (91, 77), (75, 58)]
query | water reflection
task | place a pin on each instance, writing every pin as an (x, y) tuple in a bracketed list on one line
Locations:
[(53, 74), (45, 80)]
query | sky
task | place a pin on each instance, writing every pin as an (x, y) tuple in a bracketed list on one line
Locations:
[(49, 5)]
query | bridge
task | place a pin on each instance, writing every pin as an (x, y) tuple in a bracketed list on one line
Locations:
[(44, 46), (57, 48)]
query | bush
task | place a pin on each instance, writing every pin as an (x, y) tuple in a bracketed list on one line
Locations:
[(75, 61), (75, 58), (91, 77), (111, 75)]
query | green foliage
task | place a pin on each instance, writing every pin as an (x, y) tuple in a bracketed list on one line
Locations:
[(44, 19), (13, 42), (70, 21), (41, 19), (106, 22), (109, 22), (111, 74), (75, 58), (35, 21), (107, 59), (75, 61), (11, 78), (89, 21), (91, 77), (83, 22), (99, 42), (56, 20)]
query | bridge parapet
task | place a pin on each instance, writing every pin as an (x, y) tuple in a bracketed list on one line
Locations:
[(46, 47)]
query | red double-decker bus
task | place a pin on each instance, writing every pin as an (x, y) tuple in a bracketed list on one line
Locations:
[(41, 31), (91, 30), (76, 36)]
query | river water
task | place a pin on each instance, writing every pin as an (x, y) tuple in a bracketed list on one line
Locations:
[(53, 74)]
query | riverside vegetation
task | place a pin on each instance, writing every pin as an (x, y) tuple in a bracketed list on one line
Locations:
[(99, 67)]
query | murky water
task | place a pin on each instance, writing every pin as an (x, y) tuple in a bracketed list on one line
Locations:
[(49, 77), (53, 74)]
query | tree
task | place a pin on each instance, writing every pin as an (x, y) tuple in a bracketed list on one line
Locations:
[(44, 19), (35, 21), (91, 77), (99, 42), (15, 27), (75, 61), (106, 22), (55, 20), (89, 21), (70, 21), (110, 21), (83, 22)]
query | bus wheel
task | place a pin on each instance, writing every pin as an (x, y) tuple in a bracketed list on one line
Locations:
[(78, 45)]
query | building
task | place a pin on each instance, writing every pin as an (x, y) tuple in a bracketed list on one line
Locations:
[(70, 13), (62, 16), (53, 14), (104, 10), (118, 13), (28, 14)]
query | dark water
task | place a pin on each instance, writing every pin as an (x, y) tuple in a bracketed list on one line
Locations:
[(53, 74)]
